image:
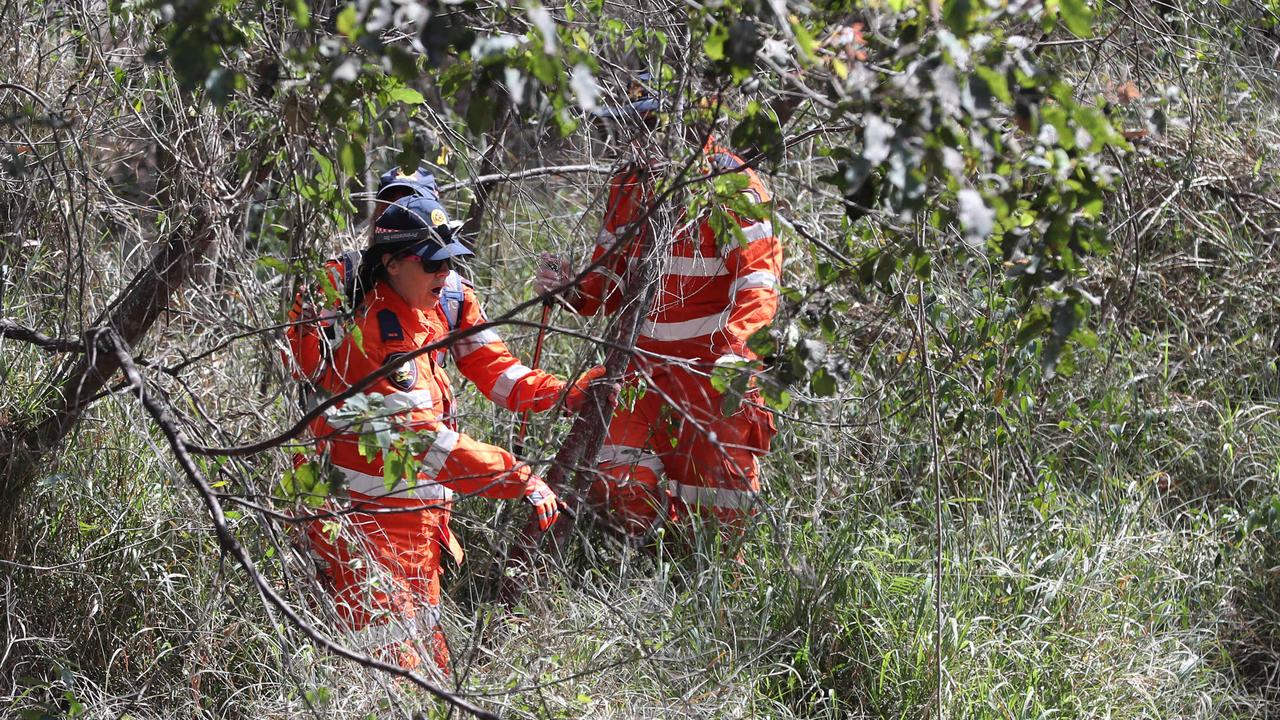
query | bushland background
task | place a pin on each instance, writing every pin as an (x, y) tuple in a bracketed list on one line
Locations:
[(1025, 368)]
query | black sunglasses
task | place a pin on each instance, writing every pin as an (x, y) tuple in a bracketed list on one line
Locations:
[(434, 266)]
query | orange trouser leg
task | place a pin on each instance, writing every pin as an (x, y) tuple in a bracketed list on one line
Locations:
[(631, 467), (714, 467), (383, 569)]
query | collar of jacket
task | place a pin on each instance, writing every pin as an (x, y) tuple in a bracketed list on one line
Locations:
[(413, 321)]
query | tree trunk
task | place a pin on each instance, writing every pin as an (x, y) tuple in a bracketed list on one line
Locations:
[(578, 452), (24, 446)]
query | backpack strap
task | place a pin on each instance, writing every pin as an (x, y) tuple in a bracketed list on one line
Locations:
[(350, 268), (452, 297)]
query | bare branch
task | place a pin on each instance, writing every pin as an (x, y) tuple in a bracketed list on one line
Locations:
[(231, 545), (11, 329)]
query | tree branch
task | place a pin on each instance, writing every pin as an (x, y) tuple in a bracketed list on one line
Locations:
[(11, 329), (231, 545)]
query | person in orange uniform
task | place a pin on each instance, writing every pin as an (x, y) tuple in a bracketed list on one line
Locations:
[(716, 292), (383, 557), (482, 357)]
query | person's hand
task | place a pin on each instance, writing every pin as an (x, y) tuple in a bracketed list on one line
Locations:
[(577, 393), (546, 506), (553, 272)]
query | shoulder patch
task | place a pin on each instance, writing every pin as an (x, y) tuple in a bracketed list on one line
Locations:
[(389, 325), (405, 376)]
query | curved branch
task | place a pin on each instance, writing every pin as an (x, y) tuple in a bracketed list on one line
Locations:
[(11, 329), (526, 174), (231, 545)]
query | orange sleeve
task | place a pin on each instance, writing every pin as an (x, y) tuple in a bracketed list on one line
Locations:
[(312, 317), (601, 290), (471, 467), (484, 358)]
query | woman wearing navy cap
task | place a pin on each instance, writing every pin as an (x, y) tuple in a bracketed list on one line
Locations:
[(402, 523)]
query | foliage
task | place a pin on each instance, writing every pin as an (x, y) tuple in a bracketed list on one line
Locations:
[(1049, 227)]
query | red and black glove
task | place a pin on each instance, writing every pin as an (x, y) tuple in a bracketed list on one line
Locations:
[(577, 392), (546, 506)]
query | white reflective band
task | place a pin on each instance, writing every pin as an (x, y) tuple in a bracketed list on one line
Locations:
[(467, 345), (614, 456), (697, 266), (730, 360), (761, 279), (683, 330), (507, 382), (375, 486), (758, 231), (609, 275), (606, 238), (384, 632), (431, 617), (446, 441), (715, 497), (411, 400)]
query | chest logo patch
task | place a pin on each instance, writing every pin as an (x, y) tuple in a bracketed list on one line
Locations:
[(405, 376)]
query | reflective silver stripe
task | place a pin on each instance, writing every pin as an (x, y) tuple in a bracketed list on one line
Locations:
[(466, 346), (684, 330), (606, 239), (507, 382), (446, 441), (697, 266), (431, 619), (758, 231), (410, 400), (715, 497), (384, 632), (609, 275), (759, 279), (613, 456), (374, 485)]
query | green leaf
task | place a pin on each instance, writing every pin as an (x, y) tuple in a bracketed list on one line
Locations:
[(408, 96), (759, 131), (714, 44), (1078, 16), (995, 82), (346, 22), (273, 263), (823, 383), (958, 15), (480, 112), (351, 158), (301, 13)]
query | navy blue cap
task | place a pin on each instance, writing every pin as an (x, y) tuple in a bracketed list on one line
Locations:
[(641, 101), (420, 182), (421, 222)]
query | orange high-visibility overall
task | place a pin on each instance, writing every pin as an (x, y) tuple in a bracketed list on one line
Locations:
[(715, 293), (482, 357), (384, 557)]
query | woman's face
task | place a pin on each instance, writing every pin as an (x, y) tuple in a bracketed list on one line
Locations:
[(420, 288)]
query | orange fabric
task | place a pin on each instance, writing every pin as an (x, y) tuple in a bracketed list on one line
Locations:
[(310, 317), (385, 566), (482, 356), (383, 571), (453, 460), (716, 292), (677, 429)]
